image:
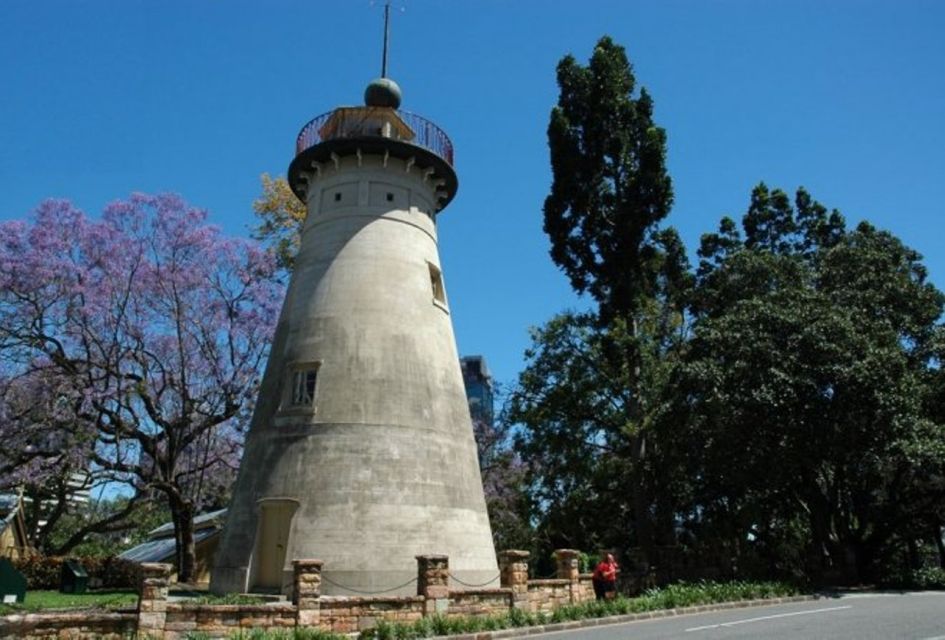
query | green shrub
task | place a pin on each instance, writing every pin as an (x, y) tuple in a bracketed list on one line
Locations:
[(441, 625), (519, 618), (299, 633), (669, 597), (705, 592), (44, 572), (424, 628), (229, 598), (929, 578)]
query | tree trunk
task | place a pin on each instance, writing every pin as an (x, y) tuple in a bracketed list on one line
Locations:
[(642, 517), (913, 547), (182, 514), (641, 504), (939, 544)]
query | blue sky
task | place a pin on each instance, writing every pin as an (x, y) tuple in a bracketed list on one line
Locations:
[(199, 97)]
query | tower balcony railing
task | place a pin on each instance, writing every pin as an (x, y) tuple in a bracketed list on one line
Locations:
[(356, 122)]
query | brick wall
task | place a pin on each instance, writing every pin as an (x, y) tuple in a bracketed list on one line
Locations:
[(544, 596), (479, 602), (220, 620), (81, 624), (584, 588), (349, 615), (157, 617)]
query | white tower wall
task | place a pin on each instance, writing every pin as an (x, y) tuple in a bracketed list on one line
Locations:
[(382, 466)]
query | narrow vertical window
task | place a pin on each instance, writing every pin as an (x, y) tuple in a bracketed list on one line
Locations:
[(303, 387), (436, 282)]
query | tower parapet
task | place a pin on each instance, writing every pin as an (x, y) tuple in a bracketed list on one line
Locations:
[(376, 128)]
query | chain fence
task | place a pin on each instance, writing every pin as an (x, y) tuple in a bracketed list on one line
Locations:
[(367, 593), (474, 586)]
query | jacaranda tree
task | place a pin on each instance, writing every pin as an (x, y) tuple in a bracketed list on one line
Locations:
[(145, 331)]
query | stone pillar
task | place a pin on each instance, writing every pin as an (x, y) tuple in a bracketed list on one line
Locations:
[(567, 564), (152, 599), (433, 575), (568, 568), (513, 572), (306, 591)]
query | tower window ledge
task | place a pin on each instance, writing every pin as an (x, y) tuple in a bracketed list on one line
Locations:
[(441, 305)]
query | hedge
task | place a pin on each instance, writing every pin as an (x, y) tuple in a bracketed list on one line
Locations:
[(44, 572)]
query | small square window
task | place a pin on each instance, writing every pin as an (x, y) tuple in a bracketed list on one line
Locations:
[(390, 197), (303, 387), (337, 196)]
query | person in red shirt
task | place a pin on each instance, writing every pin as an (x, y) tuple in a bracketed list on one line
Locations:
[(605, 578)]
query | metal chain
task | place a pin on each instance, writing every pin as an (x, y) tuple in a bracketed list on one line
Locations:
[(367, 593), (466, 584)]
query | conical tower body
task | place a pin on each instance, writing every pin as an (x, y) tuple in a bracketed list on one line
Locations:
[(361, 449)]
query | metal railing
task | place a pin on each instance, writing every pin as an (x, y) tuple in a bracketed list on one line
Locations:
[(425, 133)]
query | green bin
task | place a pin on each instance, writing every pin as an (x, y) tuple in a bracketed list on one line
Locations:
[(74, 577)]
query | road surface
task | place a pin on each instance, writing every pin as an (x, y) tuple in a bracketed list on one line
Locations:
[(918, 615)]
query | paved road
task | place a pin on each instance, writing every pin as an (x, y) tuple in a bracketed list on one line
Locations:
[(874, 616)]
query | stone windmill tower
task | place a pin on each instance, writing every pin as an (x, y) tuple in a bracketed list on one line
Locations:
[(361, 449)]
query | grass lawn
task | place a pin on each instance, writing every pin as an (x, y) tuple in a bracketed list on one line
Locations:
[(39, 600)]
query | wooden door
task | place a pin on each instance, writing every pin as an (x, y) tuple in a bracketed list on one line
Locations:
[(275, 519)]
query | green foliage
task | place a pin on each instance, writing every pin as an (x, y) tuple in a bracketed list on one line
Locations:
[(297, 633), (783, 406), (927, 578), (677, 595), (44, 572), (799, 405), (707, 592), (39, 600), (931, 578), (586, 561), (610, 187), (586, 419), (281, 216), (228, 598), (439, 625), (586, 397), (114, 537)]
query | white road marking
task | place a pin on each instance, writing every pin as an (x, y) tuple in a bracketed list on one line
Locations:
[(935, 638), (771, 617), (887, 594)]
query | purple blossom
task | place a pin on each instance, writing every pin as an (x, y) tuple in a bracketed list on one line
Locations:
[(141, 335)]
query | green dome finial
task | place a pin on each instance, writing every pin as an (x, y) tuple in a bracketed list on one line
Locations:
[(382, 92)]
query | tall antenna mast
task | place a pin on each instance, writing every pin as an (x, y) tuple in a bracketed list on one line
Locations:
[(386, 38)]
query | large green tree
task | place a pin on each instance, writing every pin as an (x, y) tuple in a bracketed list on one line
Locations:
[(583, 398), (610, 187), (801, 407)]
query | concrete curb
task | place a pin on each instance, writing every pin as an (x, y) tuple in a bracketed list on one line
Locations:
[(520, 632)]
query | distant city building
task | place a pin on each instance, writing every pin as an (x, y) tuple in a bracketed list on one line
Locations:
[(480, 388), (79, 487), (73, 489)]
